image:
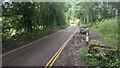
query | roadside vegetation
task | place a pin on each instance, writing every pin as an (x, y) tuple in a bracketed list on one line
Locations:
[(103, 19), (108, 30), (25, 20), (22, 21)]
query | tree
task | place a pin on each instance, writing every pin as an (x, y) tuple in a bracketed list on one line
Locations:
[(23, 18), (93, 12)]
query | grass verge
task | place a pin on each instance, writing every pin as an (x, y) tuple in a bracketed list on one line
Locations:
[(108, 30)]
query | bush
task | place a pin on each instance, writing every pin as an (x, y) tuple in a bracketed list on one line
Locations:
[(108, 31)]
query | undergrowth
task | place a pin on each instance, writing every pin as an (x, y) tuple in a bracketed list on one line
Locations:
[(107, 30)]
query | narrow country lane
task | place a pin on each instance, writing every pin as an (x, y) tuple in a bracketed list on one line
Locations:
[(40, 52)]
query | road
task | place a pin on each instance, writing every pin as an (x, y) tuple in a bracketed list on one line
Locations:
[(40, 52)]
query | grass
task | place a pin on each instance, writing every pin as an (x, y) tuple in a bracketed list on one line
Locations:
[(108, 30), (83, 55)]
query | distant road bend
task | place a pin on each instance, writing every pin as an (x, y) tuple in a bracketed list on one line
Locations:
[(40, 52)]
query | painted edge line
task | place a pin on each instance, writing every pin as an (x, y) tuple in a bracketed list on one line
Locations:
[(29, 44), (56, 55), (53, 57), (65, 44)]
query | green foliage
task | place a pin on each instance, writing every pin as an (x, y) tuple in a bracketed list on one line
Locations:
[(83, 54), (102, 18), (108, 30), (101, 58), (24, 20), (93, 12)]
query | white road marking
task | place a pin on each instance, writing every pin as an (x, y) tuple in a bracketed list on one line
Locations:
[(28, 44)]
